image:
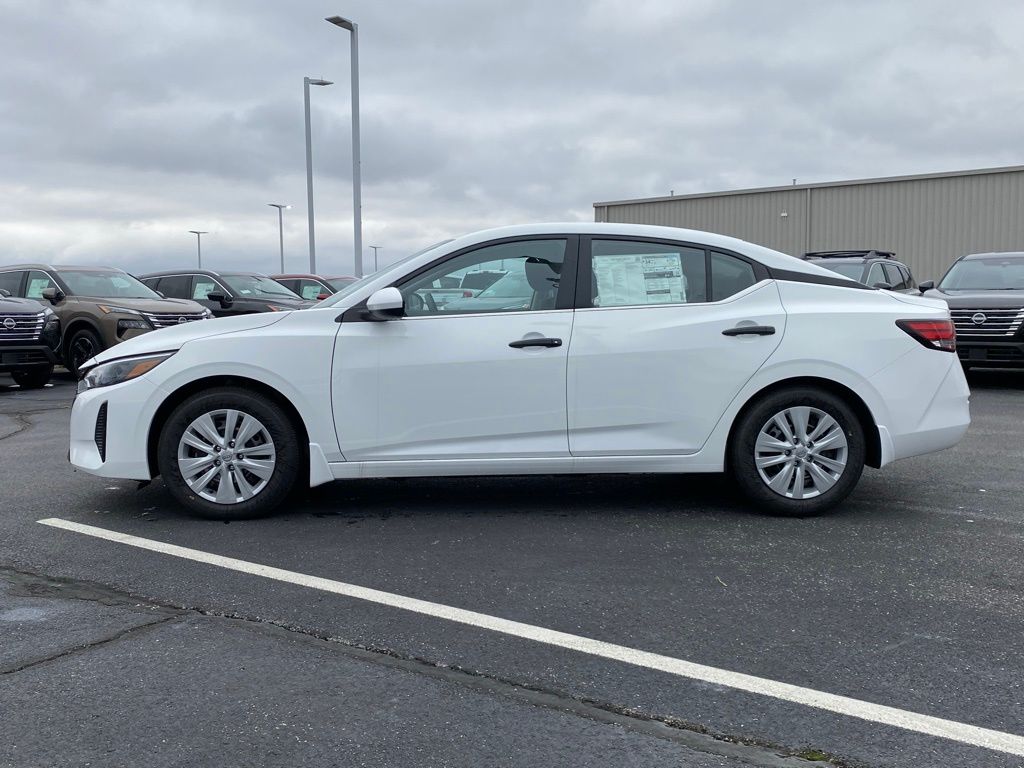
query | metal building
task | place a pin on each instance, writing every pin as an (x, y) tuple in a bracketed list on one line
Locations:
[(928, 219)]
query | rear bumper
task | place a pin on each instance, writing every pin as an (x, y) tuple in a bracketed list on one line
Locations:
[(16, 357), (943, 423), (988, 353)]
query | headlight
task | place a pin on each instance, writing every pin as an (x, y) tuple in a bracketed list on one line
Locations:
[(117, 371), (50, 317), (108, 308)]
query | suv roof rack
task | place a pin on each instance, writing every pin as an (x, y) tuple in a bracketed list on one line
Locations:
[(872, 253)]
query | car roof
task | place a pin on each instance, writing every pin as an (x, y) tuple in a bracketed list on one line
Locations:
[(853, 254), (298, 277), (209, 272), (62, 267)]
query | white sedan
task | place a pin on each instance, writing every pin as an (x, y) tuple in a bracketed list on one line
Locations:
[(634, 349)]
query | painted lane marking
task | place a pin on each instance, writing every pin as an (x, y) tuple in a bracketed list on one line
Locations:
[(842, 705)]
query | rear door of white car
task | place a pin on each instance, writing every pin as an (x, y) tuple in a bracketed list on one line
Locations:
[(665, 336), (464, 376)]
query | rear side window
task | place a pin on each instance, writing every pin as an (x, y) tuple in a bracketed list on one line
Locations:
[(630, 273), (175, 287), (11, 282), (875, 275), (894, 277), (907, 277), (310, 290), (729, 276)]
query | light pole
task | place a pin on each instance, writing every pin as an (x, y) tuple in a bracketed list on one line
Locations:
[(375, 248), (357, 204), (306, 82), (199, 244), (280, 228)]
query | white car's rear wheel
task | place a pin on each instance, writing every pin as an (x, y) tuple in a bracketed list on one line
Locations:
[(229, 453), (798, 451)]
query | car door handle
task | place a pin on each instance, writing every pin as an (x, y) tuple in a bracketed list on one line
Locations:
[(750, 330), (538, 342)]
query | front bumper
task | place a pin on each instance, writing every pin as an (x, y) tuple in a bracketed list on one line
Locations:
[(117, 446), (989, 353), (14, 357)]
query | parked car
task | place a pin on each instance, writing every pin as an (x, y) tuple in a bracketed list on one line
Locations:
[(643, 349), (226, 294), (985, 294), (510, 292), (29, 340), (98, 307), (879, 269), (313, 287)]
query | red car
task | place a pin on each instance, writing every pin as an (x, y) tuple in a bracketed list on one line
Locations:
[(313, 287)]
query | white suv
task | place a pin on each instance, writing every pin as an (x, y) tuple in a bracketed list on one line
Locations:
[(637, 349)]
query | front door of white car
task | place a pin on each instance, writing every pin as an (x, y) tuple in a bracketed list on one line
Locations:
[(664, 338), (465, 373)]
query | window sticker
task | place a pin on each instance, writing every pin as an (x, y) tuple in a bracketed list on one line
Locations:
[(203, 290), (36, 286), (649, 278)]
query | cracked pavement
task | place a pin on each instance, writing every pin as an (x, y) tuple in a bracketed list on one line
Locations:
[(912, 596)]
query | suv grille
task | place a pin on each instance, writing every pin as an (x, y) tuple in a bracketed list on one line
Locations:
[(167, 319), (21, 327), (994, 322)]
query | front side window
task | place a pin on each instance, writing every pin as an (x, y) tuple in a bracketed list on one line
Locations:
[(875, 275), (203, 287), (629, 273), (528, 275), (894, 277), (37, 283)]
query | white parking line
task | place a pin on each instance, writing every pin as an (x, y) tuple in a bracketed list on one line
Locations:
[(843, 705)]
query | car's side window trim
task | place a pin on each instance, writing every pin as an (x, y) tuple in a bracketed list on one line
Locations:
[(584, 271), (565, 299)]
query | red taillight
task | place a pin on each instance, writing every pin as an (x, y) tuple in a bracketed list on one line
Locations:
[(934, 334), (467, 294)]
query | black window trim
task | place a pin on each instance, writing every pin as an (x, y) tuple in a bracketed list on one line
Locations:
[(567, 286), (584, 270)]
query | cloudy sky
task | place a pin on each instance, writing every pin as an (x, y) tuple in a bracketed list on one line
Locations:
[(123, 124)]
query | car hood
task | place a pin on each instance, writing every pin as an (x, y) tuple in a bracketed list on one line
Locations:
[(12, 306), (993, 299), (156, 306), (174, 337)]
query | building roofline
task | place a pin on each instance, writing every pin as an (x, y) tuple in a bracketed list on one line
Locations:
[(818, 185)]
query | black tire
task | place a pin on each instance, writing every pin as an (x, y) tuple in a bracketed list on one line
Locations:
[(82, 345), (742, 453), (288, 450), (33, 378)]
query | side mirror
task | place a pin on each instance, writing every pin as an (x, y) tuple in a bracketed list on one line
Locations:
[(220, 298), (53, 295), (927, 285), (385, 304), (883, 286)]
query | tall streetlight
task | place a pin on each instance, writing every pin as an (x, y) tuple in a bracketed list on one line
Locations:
[(280, 228), (357, 205), (306, 82), (375, 248), (199, 244)]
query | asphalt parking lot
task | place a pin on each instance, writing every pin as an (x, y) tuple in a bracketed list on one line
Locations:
[(911, 596)]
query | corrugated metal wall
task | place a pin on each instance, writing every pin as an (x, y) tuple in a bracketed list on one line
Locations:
[(928, 222)]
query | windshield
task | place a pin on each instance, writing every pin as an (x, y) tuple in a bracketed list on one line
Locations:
[(990, 274), (103, 284), (351, 288), (252, 285), (512, 285), (846, 270)]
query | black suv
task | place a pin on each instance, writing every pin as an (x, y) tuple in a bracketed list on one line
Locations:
[(985, 294), (226, 293), (879, 269), (29, 340)]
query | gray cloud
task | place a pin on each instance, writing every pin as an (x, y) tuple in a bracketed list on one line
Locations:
[(122, 124)]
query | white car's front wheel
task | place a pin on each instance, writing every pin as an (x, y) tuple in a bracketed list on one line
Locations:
[(798, 451), (229, 454)]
